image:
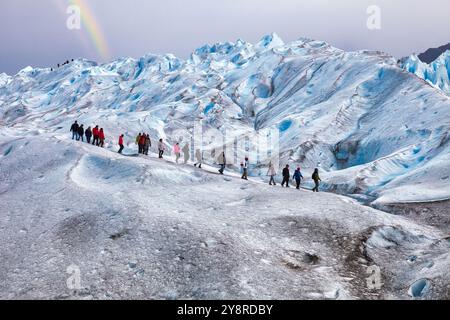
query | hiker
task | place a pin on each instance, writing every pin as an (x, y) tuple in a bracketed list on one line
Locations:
[(177, 151), (222, 162), (142, 143), (286, 176), (101, 137), (316, 179), (81, 133), (121, 143), (88, 134), (298, 177), (186, 154), (198, 156), (161, 148), (74, 129), (245, 169), (147, 144), (138, 140), (272, 173), (95, 133)]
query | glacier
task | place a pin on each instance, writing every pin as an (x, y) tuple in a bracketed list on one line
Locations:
[(437, 73), (370, 126), (140, 228)]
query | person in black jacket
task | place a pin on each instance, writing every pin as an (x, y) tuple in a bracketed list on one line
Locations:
[(286, 176), (317, 180), (81, 133), (88, 134), (74, 129)]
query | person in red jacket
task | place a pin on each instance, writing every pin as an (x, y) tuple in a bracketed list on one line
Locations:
[(101, 137), (142, 143), (121, 143), (95, 135)]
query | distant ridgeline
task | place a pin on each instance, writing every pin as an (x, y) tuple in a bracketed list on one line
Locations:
[(436, 72), (433, 53)]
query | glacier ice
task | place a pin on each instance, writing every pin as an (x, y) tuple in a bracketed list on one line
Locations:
[(372, 127), (437, 73)]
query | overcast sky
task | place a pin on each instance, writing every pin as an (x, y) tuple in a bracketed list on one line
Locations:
[(35, 33)]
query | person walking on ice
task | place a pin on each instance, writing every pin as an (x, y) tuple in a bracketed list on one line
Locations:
[(74, 130), (177, 152), (101, 137), (222, 162), (142, 143), (286, 177), (198, 156), (147, 144), (272, 173), (317, 180), (81, 133), (88, 135), (121, 143), (245, 169), (138, 141), (298, 177), (161, 148), (186, 151), (95, 133)]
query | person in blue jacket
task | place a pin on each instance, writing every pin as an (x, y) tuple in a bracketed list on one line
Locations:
[(298, 177)]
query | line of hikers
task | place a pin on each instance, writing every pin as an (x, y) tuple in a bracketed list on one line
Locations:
[(97, 134), (298, 177), (144, 143), (271, 173), (62, 64), (177, 152)]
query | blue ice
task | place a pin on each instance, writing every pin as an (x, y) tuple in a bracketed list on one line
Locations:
[(209, 107), (285, 125)]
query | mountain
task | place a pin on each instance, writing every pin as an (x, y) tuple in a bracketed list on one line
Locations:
[(371, 127), (437, 73), (433, 53), (4, 78), (137, 227)]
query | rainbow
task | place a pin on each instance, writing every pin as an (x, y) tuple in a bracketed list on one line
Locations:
[(90, 22)]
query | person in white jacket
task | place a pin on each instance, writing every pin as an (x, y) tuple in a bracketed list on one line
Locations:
[(186, 150), (198, 156), (222, 160), (161, 148), (272, 173)]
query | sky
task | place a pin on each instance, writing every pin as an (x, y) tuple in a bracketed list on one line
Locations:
[(35, 33)]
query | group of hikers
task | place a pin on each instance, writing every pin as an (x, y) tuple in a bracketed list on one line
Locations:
[(96, 135), (177, 152), (298, 177), (62, 64), (144, 143), (272, 173)]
